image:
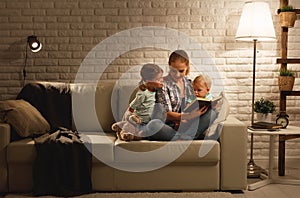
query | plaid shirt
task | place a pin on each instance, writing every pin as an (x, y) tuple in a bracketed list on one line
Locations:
[(169, 95)]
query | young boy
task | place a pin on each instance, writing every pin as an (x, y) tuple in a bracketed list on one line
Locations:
[(140, 109)]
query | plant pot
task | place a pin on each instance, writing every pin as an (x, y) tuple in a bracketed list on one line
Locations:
[(286, 83), (264, 117), (287, 19)]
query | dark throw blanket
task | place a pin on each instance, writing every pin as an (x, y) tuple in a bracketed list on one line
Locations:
[(52, 100), (62, 166)]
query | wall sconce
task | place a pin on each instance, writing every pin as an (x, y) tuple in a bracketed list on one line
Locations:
[(35, 46)]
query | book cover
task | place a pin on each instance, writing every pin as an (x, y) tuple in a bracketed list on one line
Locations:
[(265, 125), (201, 102)]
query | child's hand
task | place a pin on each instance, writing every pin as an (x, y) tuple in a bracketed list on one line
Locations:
[(217, 105)]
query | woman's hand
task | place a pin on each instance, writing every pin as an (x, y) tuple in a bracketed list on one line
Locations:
[(202, 110), (193, 114)]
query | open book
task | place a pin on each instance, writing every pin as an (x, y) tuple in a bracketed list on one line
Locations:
[(201, 102)]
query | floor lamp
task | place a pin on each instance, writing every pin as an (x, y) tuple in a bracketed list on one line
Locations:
[(255, 25)]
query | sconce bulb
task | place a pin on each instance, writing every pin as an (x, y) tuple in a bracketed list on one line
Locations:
[(34, 43)]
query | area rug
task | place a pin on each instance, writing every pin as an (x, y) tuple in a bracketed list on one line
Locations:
[(143, 195)]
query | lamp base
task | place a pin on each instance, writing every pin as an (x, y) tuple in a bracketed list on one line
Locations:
[(254, 171)]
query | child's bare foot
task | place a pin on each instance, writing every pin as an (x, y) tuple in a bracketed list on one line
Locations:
[(117, 127), (126, 136), (134, 119)]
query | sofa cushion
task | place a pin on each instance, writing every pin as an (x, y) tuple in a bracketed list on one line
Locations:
[(23, 117), (101, 145), (158, 151), (102, 148)]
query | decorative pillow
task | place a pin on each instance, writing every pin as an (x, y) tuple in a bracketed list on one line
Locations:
[(25, 119)]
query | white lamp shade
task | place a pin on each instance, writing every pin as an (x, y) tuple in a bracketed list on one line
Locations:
[(256, 23)]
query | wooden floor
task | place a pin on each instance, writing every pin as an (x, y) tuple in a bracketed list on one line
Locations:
[(276, 190)]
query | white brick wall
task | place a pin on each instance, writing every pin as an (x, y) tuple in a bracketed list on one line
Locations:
[(70, 29)]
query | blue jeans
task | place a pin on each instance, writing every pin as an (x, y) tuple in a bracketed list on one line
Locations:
[(194, 129)]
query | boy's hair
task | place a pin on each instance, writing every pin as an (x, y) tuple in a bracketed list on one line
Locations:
[(148, 72), (206, 79), (180, 55)]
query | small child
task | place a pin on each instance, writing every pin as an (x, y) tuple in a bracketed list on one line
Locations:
[(202, 85), (140, 109), (214, 115)]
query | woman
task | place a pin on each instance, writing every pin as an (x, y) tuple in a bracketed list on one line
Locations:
[(175, 94)]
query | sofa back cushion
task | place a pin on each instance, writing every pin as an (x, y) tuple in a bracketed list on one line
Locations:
[(92, 106), (84, 107), (125, 94)]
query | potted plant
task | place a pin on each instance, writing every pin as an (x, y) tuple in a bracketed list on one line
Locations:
[(287, 16), (264, 109), (286, 80)]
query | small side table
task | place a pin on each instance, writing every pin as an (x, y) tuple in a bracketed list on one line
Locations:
[(271, 179)]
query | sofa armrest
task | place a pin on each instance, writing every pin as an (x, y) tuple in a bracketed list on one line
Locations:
[(4, 141), (4, 135), (233, 141)]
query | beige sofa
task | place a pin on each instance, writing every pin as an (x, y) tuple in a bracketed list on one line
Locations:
[(137, 165)]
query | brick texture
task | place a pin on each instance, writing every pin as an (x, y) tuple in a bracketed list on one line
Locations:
[(73, 30)]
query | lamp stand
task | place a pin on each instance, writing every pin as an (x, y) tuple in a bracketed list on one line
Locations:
[(253, 82), (25, 64), (253, 170)]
